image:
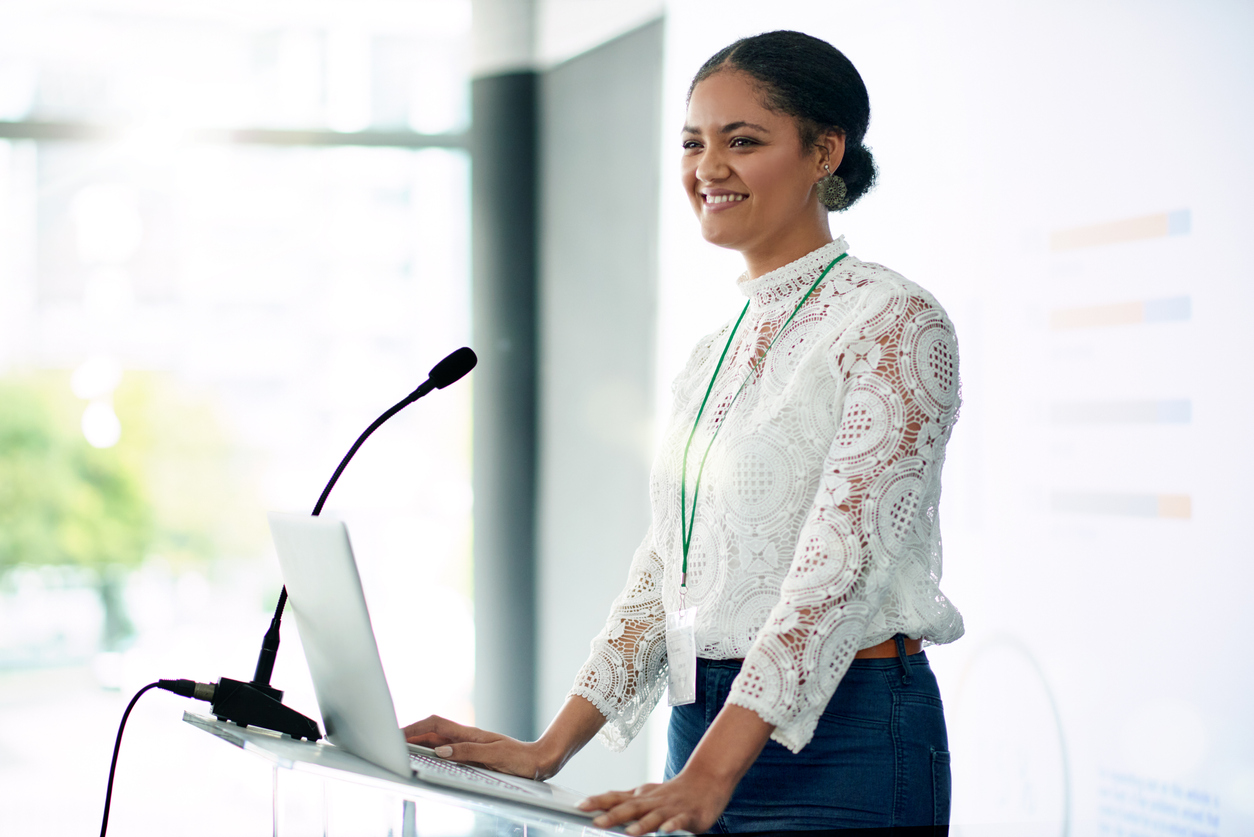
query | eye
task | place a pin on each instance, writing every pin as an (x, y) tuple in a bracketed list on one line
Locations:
[(690, 145), (742, 142)]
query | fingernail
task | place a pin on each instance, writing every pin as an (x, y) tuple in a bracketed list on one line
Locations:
[(600, 821), (444, 752), (585, 804)]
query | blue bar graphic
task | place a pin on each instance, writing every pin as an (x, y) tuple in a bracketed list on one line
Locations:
[(1169, 506), (1173, 309), (1119, 505), (1179, 222), (1179, 411), (1171, 411)]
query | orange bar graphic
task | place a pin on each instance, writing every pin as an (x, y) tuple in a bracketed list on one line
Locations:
[(1113, 232), (1120, 313), (1179, 506), (1174, 309)]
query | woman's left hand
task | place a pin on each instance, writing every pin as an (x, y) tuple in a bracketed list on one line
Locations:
[(694, 799), (689, 802)]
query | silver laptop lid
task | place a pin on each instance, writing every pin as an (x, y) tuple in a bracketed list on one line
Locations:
[(325, 596)]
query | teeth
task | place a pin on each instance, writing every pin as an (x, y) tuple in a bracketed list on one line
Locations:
[(723, 198)]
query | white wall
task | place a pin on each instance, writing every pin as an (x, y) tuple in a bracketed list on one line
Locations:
[(1094, 523)]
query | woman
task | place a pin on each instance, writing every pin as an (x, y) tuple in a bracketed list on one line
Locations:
[(794, 500)]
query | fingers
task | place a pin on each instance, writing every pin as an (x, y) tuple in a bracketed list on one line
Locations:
[(427, 726), (650, 808), (676, 823), (505, 755), (468, 753), (631, 808), (605, 801), (429, 739), (654, 821), (435, 731)]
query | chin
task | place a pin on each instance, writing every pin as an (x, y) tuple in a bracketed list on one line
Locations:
[(720, 238), (716, 233)]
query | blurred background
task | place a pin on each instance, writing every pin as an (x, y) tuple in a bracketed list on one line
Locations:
[(207, 290), (231, 234)]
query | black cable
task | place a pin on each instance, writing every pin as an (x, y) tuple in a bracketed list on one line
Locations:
[(113, 766), (186, 688)]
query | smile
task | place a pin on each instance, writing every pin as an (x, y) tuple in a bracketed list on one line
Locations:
[(717, 199)]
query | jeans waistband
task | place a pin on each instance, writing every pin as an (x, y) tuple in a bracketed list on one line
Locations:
[(921, 657), (906, 661)]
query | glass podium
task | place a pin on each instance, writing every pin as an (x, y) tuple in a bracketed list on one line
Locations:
[(319, 789)]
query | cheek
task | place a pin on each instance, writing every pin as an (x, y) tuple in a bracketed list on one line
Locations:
[(688, 180), (781, 179), (688, 174)]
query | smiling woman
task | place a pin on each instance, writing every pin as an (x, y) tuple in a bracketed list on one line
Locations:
[(750, 179), (791, 575)]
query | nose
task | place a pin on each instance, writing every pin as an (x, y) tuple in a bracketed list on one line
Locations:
[(711, 167)]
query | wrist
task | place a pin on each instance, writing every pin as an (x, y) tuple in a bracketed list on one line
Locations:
[(713, 771), (729, 747), (550, 756), (575, 724)]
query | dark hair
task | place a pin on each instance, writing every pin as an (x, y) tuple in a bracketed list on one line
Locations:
[(813, 82)]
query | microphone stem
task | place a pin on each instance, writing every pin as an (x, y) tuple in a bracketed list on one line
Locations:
[(396, 408), (270, 643)]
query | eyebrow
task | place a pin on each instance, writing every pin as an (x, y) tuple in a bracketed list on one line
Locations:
[(730, 127)]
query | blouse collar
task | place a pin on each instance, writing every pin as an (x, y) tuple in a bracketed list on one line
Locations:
[(791, 280)]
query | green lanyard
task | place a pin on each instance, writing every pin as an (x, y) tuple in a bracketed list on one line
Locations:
[(686, 521)]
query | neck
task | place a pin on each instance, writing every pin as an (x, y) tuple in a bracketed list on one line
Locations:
[(785, 249)]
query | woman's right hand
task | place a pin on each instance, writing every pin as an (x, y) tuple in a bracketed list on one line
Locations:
[(576, 722), (471, 745)]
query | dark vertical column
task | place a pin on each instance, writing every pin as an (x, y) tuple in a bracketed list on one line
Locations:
[(598, 281), (504, 290)]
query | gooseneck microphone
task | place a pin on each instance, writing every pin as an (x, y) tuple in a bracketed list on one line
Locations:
[(451, 369), (257, 703)]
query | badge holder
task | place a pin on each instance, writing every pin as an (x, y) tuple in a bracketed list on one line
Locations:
[(681, 655)]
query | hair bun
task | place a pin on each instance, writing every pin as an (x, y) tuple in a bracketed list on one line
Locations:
[(857, 168)]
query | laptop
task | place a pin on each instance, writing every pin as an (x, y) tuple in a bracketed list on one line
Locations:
[(325, 595)]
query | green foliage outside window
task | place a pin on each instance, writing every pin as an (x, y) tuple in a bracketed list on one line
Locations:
[(171, 486), (61, 500)]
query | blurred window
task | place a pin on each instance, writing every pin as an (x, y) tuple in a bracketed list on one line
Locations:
[(231, 234)]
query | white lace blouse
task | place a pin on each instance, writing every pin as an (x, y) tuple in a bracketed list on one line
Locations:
[(816, 529)]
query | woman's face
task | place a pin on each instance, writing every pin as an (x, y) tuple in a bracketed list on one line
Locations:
[(746, 175)]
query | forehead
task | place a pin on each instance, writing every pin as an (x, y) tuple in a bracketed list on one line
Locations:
[(729, 96)]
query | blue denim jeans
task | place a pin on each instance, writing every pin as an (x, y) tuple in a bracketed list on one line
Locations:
[(879, 757)]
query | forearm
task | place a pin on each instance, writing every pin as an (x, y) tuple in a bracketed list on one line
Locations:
[(573, 727), (730, 746)]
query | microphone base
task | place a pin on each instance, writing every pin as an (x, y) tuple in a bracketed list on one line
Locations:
[(249, 706)]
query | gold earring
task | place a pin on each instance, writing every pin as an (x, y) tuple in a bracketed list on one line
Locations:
[(833, 193)]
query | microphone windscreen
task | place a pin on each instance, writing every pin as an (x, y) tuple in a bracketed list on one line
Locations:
[(453, 367)]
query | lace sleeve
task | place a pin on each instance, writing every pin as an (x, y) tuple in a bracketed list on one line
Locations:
[(873, 516), (624, 676)]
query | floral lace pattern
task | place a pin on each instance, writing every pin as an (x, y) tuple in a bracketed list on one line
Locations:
[(816, 528)]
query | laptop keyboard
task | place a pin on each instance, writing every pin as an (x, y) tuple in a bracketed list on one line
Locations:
[(453, 770)]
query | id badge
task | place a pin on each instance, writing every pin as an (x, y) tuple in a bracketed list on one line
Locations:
[(681, 655)]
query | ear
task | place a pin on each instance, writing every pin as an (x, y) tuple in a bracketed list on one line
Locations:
[(831, 150)]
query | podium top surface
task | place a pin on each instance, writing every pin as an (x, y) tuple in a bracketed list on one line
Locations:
[(332, 762)]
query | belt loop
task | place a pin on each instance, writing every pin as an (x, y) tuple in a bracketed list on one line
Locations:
[(906, 677)]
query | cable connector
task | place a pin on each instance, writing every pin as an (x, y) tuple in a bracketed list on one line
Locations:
[(189, 688)]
